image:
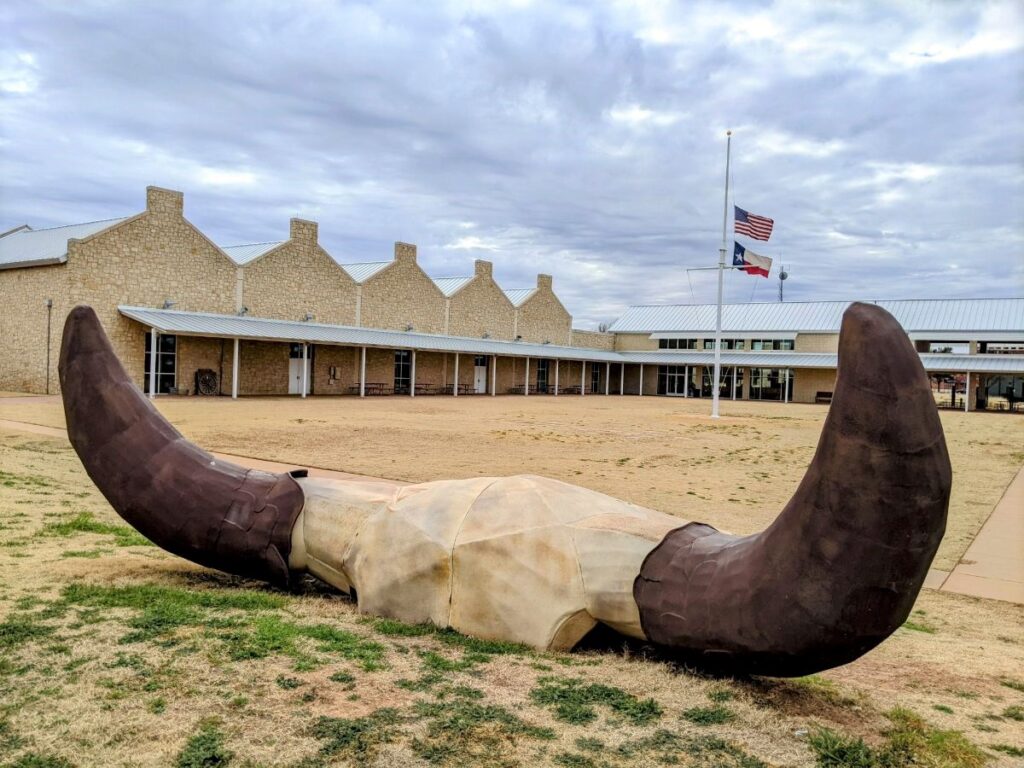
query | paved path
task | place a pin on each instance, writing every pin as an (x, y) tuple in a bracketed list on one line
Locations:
[(992, 567)]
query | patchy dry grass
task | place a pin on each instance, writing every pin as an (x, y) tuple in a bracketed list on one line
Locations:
[(113, 652)]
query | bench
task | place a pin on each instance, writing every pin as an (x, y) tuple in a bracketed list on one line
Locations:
[(823, 397)]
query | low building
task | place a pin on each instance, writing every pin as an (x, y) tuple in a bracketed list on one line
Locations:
[(187, 316)]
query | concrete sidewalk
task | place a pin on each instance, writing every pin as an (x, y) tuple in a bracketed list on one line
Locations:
[(993, 565)]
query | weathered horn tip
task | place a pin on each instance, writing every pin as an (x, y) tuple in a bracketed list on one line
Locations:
[(839, 570)]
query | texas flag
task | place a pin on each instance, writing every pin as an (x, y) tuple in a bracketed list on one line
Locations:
[(750, 262)]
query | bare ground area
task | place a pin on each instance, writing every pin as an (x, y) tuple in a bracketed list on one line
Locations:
[(115, 653), (662, 453)]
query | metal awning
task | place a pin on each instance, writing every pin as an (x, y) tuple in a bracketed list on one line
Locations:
[(261, 329)]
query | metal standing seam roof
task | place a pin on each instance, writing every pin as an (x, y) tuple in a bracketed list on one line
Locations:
[(260, 329), (27, 247), (915, 315), (449, 286), (519, 295), (243, 254), (364, 271)]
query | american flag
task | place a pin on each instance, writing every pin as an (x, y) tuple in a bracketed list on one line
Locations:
[(757, 227)]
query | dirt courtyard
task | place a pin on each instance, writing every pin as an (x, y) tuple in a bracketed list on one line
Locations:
[(662, 453), (113, 652)]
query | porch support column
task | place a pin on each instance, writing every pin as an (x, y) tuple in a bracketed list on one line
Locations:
[(785, 388), (641, 392), (622, 379), (686, 381), (556, 377), (152, 362), (526, 381), (305, 368), (455, 384), (234, 371), (607, 378), (967, 393), (362, 372), (494, 375), (412, 375), (734, 382), (583, 378)]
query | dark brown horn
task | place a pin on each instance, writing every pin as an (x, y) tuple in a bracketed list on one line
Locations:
[(840, 568), (180, 497)]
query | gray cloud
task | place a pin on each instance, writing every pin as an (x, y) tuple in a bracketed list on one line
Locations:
[(586, 142)]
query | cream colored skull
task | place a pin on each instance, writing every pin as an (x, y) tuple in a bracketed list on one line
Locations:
[(521, 558)]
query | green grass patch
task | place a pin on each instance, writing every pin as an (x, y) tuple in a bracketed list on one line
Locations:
[(89, 554), (21, 628), (919, 626), (345, 678), (205, 750), (574, 701), (715, 715), (943, 708), (161, 609), (13, 480), (463, 732), (1012, 684), (357, 738), (271, 635), (1015, 712), (1008, 749), (40, 760), (665, 747), (9, 739), (393, 628), (909, 742), (85, 522)]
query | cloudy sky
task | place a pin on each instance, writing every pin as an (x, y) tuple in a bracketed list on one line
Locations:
[(581, 139)]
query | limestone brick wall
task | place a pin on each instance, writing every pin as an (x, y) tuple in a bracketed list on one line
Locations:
[(143, 261), (23, 324), (262, 368), (195, 353), (401, 295), (542, 317), (380, 366), (634, 342), (807, 382), (481, 307), (342, 362), (593, 339), (816, 342), (297, 278)]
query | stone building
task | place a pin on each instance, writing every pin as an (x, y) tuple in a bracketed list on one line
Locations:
[(188, 316)]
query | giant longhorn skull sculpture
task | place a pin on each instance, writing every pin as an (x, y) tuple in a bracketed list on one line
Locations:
[(542, 562)]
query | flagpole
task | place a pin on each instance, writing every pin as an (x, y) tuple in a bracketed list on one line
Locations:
[(721, 273)]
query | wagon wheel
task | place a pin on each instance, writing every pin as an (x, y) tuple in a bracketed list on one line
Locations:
[(207, 383)]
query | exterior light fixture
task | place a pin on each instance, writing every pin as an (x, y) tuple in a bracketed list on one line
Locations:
[(309, 316), (486, 335), (243, 312), (519, 338), (168, 303), (409, 327)]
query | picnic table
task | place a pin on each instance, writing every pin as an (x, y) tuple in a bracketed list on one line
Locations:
[(572, 389), (371, 388)]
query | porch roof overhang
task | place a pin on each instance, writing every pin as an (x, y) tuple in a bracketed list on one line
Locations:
[(262, 329)]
